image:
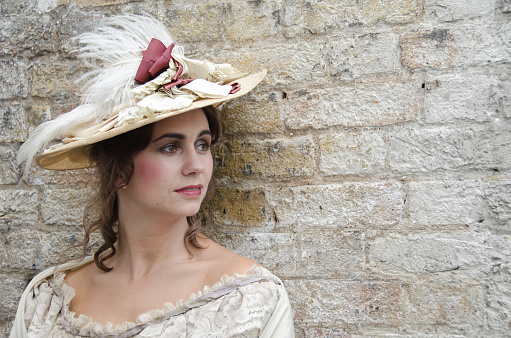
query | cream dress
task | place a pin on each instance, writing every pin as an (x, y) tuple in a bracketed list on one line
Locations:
[(254, 304)]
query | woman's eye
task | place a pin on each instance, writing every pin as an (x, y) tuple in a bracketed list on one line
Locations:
[(169, 148), (203, 146)]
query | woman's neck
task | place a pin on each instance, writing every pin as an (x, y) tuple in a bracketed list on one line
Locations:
[(146, 244)]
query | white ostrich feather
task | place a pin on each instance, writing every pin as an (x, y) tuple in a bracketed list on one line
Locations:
[(46, 132), (113, 52)]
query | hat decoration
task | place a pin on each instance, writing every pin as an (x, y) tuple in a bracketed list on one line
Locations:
[(144, 77)]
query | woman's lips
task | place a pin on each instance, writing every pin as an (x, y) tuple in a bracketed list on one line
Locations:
[(191, 191)]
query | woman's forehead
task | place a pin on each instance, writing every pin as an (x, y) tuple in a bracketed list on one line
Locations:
[(193, 119)]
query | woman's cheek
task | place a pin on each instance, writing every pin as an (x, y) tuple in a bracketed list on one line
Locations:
[(150, 171)]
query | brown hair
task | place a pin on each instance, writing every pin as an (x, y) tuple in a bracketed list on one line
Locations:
[(114, 162)]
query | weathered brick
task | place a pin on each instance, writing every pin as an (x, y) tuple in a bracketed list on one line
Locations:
[(352, 152), (10, 293), (73, 22), (314, 332), (364, 104), (461, 97), (462, 253), (195, 22), (18, 207), (17, 120), (498, 294), (14, 80), (320, 17), (248, 20), (330, 254), (444, 47), (505, 94), (94, 3), (64, 206), (274, 158), (449, 148), (242, 207), (9, 170), (452, 10), (498, 197), (40, 176), (349, 302), (347, 205), (394, 12), (54, 79), (362, 55), (316, 17), (286, 63), (450, 202), (277, 252), (243, 116), (443, 304), (30, 249), (28, 32)]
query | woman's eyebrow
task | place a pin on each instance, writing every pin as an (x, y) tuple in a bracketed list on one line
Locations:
[(181, 136), (171, 135)]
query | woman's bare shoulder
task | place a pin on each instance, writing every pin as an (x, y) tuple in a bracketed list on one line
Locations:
[(225, 261)]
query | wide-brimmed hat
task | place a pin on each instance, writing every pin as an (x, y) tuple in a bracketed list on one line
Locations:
[(144, 77)]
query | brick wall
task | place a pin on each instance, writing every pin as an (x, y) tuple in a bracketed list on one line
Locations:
[(371, 170)]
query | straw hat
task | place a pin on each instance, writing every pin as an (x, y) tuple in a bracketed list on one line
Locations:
[(144, 78)]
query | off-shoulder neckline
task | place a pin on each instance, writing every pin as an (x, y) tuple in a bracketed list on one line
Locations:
[(86, 323)]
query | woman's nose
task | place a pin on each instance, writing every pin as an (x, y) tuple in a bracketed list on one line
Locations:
[(193, 163)]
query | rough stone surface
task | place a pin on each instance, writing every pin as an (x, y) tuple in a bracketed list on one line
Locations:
[(457, 304), (64, 206), (267, 159), (365, 104), (35, 249), (498, 306), (10, 294), (419, 253), (471, 98), (16, 121), (352, 302), (499, 201), (474, 43), (362, 55), (445, 203), (348, 205), (330, 254), (262, 15), (449, 148), (452, 10), (243, 116), (9, 170), (352, 152), (52, 79), (17, 207), (245, 208), (14, 78)]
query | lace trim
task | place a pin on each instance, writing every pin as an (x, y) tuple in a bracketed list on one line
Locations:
[(84, 326)]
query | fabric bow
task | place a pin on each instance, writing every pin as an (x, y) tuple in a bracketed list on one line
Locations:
[(156, 59)]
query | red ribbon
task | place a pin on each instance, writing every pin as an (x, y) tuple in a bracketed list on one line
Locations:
[(156, 59)]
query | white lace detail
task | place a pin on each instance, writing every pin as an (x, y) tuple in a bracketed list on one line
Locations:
[(242, 312)]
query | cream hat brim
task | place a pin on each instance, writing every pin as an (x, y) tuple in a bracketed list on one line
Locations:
[(75, 154)]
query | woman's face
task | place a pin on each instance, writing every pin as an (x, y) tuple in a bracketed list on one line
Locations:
[(171, 176)]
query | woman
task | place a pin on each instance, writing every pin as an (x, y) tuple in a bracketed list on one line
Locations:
[(157, 274)]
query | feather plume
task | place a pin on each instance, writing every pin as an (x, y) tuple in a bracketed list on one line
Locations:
[(113, 52), (46, 132)]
